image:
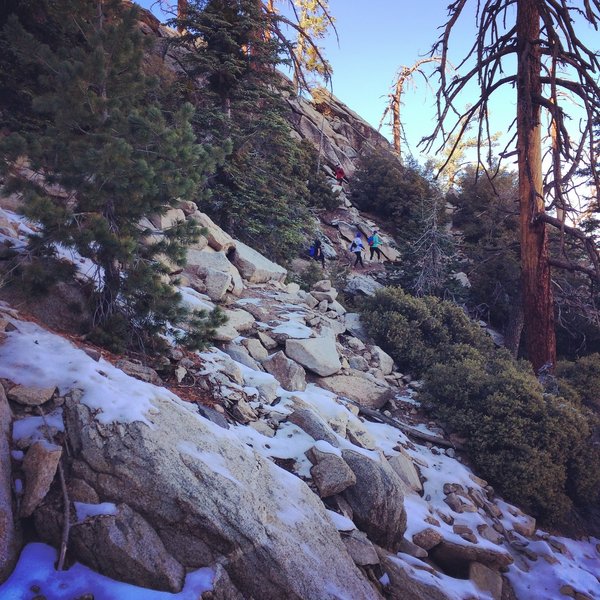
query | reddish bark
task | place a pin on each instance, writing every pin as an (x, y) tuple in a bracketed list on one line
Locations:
[(538, 305)]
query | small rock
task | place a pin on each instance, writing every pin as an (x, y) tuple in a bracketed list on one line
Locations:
[(31, 396), (427, 538)]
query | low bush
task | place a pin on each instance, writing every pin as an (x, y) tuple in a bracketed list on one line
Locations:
[(536, 448), (417, 332)]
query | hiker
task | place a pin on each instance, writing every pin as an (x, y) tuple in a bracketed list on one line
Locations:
[(339, 174), (316, 251), (374, 242), (357, 247)]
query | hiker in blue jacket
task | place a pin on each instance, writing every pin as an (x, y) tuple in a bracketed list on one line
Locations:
[(316, 251), (357, 247), (374, 242)]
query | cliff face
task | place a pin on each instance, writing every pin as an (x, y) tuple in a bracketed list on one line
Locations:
[(335, 130)]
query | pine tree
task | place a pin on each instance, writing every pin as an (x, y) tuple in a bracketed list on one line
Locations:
[(103, 138), (260, 193)]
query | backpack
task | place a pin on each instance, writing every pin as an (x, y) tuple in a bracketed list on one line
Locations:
[(352, 247), (312, 250), (370, 240)]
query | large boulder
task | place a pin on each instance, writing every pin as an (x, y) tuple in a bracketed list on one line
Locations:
[(377, 499), (40, 465), (9, 539), (318, 355), (125, 546), (211, 498), (200, 262), (290, 374), (170, 217), (217, 238), (254, 267), (362, 285), (365, 392)]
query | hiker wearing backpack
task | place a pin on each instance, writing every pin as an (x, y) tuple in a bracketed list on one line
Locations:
[(316, 251), (374, 242), (357, 247)]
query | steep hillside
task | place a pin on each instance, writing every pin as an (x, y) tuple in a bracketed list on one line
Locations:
[(290, 459)]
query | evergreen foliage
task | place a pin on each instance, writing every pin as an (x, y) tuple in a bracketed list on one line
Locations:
[(486, 214), (261, 193), (534, 446), (103, 140)]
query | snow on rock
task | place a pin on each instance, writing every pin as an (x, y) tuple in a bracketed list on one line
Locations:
[(36, 568), (206, 494)]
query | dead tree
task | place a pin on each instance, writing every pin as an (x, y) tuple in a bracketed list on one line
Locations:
[(404, 76), (551, 61)]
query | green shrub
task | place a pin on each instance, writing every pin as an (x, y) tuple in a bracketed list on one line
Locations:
[(583, 377), (536, 448), (41, 274), (416, 331)]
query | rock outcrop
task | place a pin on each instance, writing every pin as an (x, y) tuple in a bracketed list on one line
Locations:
[(207, 496)]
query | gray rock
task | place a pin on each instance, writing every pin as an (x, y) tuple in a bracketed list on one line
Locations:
[(139, 371), (383, 360), (217, 284), (290, 374), (367, 393), (241, 355), (324, 285), (254, 267), (40, 465), (486, 579), (358, 363), (359, 547), (267, 341), (329, 296), (9, 536), (217, 238), (255, 348), (210, 496), (318, 355), (377, 500), (169, 218), (31, 396), (405, 468), (354, 326), (428, 538), (311, 301), (310, 422), (405, 584), (332, 475), (362, 284), (125, 547), (213, 415)]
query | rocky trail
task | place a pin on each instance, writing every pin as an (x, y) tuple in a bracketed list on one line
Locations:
[(298, 465)]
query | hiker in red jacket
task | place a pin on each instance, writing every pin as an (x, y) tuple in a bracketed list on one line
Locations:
[(339, 174)]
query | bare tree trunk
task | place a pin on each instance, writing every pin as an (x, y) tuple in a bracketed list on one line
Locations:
[(181, 12), (396, 123), (538, 306)]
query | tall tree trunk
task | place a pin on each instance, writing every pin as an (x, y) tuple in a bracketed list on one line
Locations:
[(538, 306), (396, 123)]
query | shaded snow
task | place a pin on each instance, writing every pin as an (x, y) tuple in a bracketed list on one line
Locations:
[(36, 568)]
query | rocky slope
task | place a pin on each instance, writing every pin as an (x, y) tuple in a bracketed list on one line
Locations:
[(291, 460), (287, 461)]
